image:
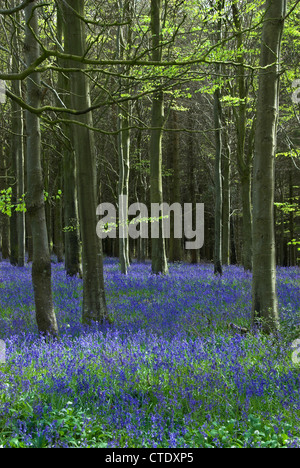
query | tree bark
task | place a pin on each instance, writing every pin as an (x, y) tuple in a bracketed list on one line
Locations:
[(41, 265), (158, 251), (226, 196), (218, 185), (17, 222), (94, 303), (4, 219), (175, 248), (243, 160), (70, 206), (124, 44), (218, 159), (264, 302)]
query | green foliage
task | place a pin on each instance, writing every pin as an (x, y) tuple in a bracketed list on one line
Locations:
[(5, 201), (52, 198), (288, 208), (230, 435), (6, 205), (64, 423)]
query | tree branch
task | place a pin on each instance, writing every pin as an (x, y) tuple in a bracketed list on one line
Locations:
[(17, 8)]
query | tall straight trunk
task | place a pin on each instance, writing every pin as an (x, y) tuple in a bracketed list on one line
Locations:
[(264, 302), (244, 161), (141, 190), (16, 146), (291, 220), (175, 249), (94, 304), (218, 185), (18, 152), (14, 183), (226, 166), (28, 239), (70, 207), (218, 158), (123, 190), (123, 47), (21, 191), (41, 265), (192, 184), (58, 247), (4, 219), (246, 220), (158, 250)]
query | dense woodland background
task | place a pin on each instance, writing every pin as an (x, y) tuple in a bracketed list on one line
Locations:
[(157, 100)]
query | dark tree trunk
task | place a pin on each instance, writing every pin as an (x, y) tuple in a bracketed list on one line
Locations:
[(41, 264)]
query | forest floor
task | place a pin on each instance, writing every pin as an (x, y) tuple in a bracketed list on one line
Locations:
[(167, 373)]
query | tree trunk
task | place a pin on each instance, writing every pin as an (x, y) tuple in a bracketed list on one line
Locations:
[(226, 166), (243, 160), (16, 146), (124, 44), (175, 248), (94, 304), (141, 190), (41, 265), (192, 183), (218, 185), (158, 252), (70, 207), (264, 303), (292, 246), (28, 238), (246, 220), (218, 159), (4, 219), (58, 247)]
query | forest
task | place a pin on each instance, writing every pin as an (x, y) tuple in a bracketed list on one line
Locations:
[(149, 225)]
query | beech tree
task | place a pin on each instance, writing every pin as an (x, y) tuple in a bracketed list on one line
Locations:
[(158, 252), (94, 304), (264, 306), (124, 44), (217, 109), (70, 216), (41, 263)]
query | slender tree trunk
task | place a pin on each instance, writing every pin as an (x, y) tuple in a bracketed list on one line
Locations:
[(141, 190), (70, 226), (246, 220), (4, 219), (243, 160), (218, 185), (158, 251), (41, 265), (264, 304), (94, 304), (21, 189), (16, 146), (123, 47), (58, 247), (226, 166), (28, 238), (192, 184), (175, 248), (218, 159), (291, 221)]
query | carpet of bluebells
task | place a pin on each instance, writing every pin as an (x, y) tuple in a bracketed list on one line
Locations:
[(168, 372)]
